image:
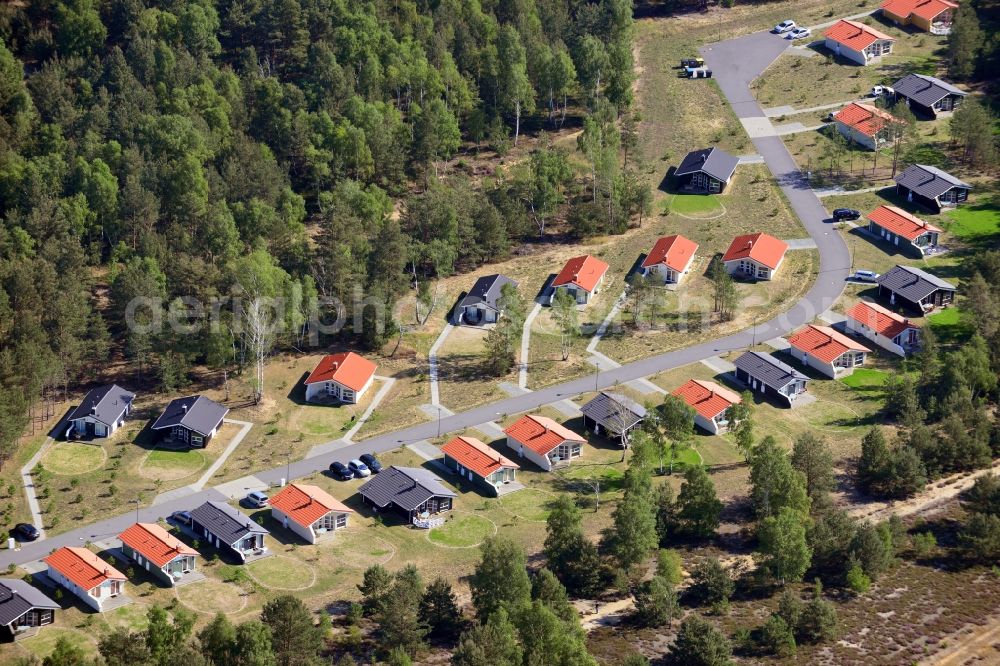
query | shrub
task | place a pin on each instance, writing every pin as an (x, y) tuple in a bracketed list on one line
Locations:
[(924, 543), (857, 580), (776, 637)]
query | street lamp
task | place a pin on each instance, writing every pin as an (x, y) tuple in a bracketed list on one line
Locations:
[(439, 421)]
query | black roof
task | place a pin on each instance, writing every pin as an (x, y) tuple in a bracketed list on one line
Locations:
[(225, 522), (768, 369), (17, 598), (486, 291), (105, 404), (716, 162), (195, 412), (406, 487), (610, 409), (925, 90), (928, 181), (912, 283)]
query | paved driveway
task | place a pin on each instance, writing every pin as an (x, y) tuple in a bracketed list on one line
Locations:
[(735, 63)]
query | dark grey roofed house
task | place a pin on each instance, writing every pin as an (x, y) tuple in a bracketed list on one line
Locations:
[(616, 413), (707, 170), (101, 412), (225, 527), (765, 374), (480, 304), (916, 289), (192, 420), (22, 606), (928, 95), (411, 490), (931, 187)]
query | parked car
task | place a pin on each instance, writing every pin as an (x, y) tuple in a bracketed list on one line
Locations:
[(799, 33), (841, 214), (340, 471), (866, 276), (878, 91), (692, 62), (784, 26), (828, 118), (359, 469), (698, 73), (25, 532), (256, 499), (182, 517), (373, 464)]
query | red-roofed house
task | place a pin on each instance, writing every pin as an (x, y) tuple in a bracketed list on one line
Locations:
[(582, 277), (670, 258), (934, 16), (755, 256), (471, 459), (858, 42), (543, 441), (343, 377), (826, 350), (158, 551), (309, 511), (890, 331), (865, 124), (87, 576), (710, 402), (890, 224)]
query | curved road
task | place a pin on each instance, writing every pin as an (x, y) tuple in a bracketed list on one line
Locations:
[(735, 64)]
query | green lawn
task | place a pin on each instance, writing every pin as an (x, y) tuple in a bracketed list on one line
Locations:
[(279, 572), (695, 205), (462, 530), (169, 465), (949, 326), (865, 379), (73, 458), (975, 222), (530, 504)]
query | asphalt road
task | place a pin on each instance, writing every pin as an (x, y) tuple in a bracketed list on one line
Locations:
[(735, 64)]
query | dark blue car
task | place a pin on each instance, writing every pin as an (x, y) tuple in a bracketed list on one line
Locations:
[(372, 462), (340, 471)]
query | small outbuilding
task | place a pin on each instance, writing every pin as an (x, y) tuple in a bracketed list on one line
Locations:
[(755, 256), (479, 464), (309, 511), (415, 493), (159, 552), (343, 377), (670, 259), (889, 330), (613, 415), (928, 96), (23, 607), (544, 441), (582, 277), (858, 42), (101, 412), (91, 579), (768, 376), (482, 304), (710, 402), (229, 530), (706, 171), (899, 228), (931, 187), (826, 350), (916, 289), (192, 420)]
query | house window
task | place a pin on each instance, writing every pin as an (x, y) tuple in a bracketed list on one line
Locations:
[(347, 396), (340, 521), (762, 272)]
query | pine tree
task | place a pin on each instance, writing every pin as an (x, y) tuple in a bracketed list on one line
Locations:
[(697, 508)]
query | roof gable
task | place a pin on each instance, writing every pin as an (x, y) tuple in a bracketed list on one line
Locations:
[(305, 504), (82, 567), (346, 368), (855, 36), (925, 90), (486, 290), (899, 222), (762, 248), (194, 412), (823, 342), (926, 9), (474, 455), (707, 398), (155, 543), (540, 433), (715, 162), (105, 404), (585, 272), (672, 251), (768, 369)]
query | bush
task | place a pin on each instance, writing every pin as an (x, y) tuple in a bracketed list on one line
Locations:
[(668, 566), (924, 544), (857, 580), (776, 637)]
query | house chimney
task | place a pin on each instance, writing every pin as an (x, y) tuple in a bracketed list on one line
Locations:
[(184, 408)]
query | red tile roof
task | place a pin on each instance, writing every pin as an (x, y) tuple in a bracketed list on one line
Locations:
[(882, 321), (154, 543), (927, 9), (346, 368), (865, 118), (854, 35), (823, 342), (760, 247), (82, 567), (541, 434), (898, 221), (708, 398), (472, 454), (585, 272), (306, 504), (673, 251)]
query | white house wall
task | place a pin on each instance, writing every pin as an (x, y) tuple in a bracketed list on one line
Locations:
[(706, 424), (882, 341), (525, 452), (305, 532)]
